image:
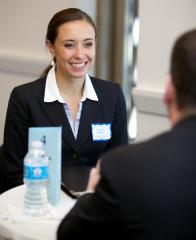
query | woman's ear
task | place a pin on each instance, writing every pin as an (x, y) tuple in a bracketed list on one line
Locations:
[(170, 93), (50, 47)]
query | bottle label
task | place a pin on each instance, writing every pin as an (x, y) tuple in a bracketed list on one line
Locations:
[(35, 173)]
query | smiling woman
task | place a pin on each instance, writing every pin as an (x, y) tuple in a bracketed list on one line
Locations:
[(73, 52), (92, 120)]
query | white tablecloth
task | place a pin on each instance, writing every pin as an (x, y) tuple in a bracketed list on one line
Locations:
[(42, 229)]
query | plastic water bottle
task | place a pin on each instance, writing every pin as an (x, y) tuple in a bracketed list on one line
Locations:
[(35, 179)]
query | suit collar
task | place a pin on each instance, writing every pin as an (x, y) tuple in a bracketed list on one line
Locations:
[(89, 115), (56, 114), (187, 124), (57, 117)]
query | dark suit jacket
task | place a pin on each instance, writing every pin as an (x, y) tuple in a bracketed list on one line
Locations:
[(27, 108), (147, 191)]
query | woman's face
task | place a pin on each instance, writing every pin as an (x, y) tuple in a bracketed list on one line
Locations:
[(74, 48)]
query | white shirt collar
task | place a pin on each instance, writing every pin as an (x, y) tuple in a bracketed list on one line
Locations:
[(89, 91), (52, 92)]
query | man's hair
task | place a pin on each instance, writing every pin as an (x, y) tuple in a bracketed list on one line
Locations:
[(183, 69)]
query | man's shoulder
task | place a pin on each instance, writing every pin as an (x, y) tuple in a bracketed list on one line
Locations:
[(139, 150)]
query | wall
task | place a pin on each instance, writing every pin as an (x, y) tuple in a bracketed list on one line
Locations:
[(23, 55), (161, 22)]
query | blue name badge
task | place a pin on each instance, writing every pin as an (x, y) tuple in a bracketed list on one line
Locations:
[(101, 131)]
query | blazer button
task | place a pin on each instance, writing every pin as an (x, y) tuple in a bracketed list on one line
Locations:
[(76, 156)]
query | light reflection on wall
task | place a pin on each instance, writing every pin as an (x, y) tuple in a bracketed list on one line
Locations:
[(116, 58), (132, 75)]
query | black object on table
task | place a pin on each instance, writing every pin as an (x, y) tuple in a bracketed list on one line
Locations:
[(74, 180)]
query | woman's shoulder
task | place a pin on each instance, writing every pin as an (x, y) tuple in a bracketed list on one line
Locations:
[(97, 82), (33, 84), (37, 85)]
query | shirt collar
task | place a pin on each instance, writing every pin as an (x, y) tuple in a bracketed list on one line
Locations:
[(52, 92), (89, 91)]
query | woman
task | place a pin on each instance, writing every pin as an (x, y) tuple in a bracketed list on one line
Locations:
[(91, 111)]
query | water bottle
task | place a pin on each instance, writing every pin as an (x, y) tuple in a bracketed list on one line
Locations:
[(35, 179)]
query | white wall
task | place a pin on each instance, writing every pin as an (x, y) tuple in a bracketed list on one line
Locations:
[(161, 22), (23, 55)]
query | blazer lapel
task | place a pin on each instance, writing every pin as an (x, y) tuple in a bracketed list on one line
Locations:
[(57, 116), (90, 110)]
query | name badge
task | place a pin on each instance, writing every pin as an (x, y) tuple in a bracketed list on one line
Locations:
[(101, 131)]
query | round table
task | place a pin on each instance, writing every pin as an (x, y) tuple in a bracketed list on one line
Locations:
[(42, 229)]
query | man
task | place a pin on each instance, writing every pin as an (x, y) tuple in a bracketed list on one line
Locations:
[(148, 190)]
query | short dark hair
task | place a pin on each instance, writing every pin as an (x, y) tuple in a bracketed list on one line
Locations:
[(183, 69)]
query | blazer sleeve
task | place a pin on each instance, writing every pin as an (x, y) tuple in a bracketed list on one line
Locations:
[(15, 139), (119, 125), (94, 213)]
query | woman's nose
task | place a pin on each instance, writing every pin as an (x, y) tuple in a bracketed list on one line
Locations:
[(79, 52)]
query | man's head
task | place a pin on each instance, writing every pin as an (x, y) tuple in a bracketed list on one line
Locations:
[(180, 96)]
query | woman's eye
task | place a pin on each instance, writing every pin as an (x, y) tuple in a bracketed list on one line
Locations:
[(69, 45), (88, 44)]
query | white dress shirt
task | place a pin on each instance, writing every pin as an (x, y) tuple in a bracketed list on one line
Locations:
[(52, 94)]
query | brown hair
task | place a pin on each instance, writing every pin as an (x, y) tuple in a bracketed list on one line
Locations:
[(183, 69), (64, 16)]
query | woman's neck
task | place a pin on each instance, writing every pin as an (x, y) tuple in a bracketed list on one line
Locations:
[(70, 87)]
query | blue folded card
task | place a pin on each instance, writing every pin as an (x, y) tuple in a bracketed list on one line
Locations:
[(51, 138)]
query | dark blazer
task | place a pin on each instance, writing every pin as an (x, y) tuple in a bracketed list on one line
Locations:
[(27, 108), (147, 191), (2, 183)]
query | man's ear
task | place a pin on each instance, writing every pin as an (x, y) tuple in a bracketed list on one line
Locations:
[(170, 93)]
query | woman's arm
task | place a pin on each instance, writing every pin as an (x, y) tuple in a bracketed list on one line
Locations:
[(15, 139)]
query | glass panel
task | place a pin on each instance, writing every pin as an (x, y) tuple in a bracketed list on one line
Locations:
[(131, 40), (118, 36)]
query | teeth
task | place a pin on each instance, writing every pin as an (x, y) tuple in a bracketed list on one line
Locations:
[(78, 65)]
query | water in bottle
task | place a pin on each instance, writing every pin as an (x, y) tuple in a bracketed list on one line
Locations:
[(35, 179)]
